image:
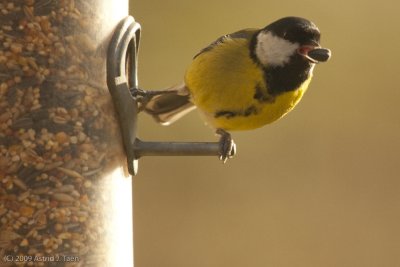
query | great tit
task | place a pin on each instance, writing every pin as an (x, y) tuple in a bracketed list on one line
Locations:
[(246, 79)]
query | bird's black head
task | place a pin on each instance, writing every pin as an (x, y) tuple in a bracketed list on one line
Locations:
[(285, 38), (288, 49)]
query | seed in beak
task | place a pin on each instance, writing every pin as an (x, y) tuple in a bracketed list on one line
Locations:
[(319, 54)]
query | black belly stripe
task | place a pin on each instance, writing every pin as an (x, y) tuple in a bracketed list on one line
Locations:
[(261, 95), (252, 110)]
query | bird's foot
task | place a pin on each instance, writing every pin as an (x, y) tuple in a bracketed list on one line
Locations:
[(145, 96), (227, 145)]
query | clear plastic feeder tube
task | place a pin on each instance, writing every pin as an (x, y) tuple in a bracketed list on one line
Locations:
[(64, 197)]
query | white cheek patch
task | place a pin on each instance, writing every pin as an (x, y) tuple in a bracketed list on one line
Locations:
[(273, 50)]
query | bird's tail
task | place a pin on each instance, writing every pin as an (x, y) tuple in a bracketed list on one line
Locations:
[(170, 105)]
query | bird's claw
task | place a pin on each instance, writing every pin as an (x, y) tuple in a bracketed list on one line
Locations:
[(144, 96), (227, 145), (141, 96), (138, 93)]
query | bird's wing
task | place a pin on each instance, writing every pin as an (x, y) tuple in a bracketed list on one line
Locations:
[(242, 34)]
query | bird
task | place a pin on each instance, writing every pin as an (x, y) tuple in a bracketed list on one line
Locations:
[(244, 80)]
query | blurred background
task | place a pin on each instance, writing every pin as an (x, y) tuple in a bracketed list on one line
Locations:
[(320, 187)]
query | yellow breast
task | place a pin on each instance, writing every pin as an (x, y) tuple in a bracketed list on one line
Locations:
[(222, 83)]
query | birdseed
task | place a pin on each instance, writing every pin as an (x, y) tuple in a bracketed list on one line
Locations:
[(58, 134)]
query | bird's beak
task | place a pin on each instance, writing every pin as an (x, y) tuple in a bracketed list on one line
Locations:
[(314, 54)]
